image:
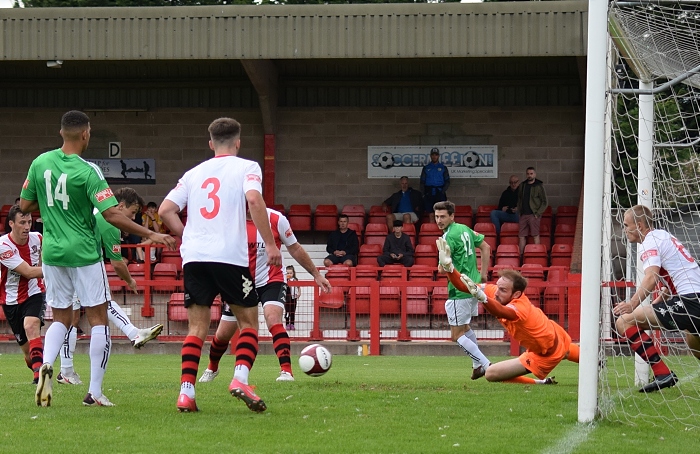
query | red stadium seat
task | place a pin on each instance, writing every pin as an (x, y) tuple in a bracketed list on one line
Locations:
[(176, 308), (116, 284), (509, 233), (165, 272), (561, 255), (333, 300), (464, 215), (376, 233), (437, 303), (421, 273), (138, 272), (174, 258), (417, 300), (377, 214), (393, 273), (426, 254), (375, 240), (483, 213), (300, 218), (356, 214), (567, 214), (326, 218), (535, 253), (564, 234), (389, 300), (278, 207), (489, 231), (369, 253), (508, 254)]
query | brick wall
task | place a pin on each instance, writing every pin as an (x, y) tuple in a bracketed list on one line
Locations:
[(321, 154)]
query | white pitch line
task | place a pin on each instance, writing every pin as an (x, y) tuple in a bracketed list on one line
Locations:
[(572, 439)]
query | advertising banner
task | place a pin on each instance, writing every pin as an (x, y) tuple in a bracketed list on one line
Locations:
[(463, 161)]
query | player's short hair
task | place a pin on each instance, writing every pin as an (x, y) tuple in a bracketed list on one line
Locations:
[(129, 196), (641, 213), (224, 130), (530, 168), (446, 205), (12, 215), (519, 282), (403, 178), (151, 205), (398, 223), (343, 216), (74, 121)]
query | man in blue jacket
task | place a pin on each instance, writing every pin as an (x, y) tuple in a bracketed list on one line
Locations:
[(434, 181)]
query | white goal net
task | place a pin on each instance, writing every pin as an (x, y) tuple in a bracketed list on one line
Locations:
[(652, 159)]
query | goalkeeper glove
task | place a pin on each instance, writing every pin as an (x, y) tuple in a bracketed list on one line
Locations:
[(444, 257), (474, 288)]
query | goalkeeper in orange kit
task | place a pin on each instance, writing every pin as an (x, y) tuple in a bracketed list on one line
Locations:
[(546, 342)]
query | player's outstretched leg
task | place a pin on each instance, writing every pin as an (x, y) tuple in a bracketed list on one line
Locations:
[(246, 351), (146, 334)]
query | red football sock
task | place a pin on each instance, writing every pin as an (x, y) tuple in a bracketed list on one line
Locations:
[(36, 354), (247, 348), (282, 346), (643, 345), (191, 353), (216, 351)]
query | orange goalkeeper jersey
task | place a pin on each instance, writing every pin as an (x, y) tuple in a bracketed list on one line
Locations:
[(532, 329)]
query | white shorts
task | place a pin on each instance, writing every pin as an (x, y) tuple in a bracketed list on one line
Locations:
[(460, 312), (414, 216), (87, 283)]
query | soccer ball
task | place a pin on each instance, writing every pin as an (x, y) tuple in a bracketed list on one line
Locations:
[(385, 160), (315, 360), (471, 159)]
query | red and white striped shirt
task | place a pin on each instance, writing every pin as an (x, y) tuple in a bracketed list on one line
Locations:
[(14, 288), (257, 254)]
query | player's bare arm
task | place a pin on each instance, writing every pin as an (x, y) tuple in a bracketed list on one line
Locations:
[(27, 206), (123, 272), (299, 254), (29, 272), (648, 284), (168, 212), (485, 260), (258, 213), (119, 220)]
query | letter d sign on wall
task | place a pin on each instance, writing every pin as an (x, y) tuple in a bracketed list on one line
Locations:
[(115, 150)]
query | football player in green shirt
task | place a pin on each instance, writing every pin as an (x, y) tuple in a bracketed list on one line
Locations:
[(461, 307), (65, 189)]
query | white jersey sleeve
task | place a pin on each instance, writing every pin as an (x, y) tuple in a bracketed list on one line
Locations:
[(662, 249), (9, 255)]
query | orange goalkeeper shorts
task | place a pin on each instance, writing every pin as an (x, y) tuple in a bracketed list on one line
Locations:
[(542, 365)]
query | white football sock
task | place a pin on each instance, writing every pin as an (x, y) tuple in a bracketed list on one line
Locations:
[(68, 350), (53, 341), (240, 373), (122, 321), (187, 389), (472, 337), (472, 350), (100, 347)]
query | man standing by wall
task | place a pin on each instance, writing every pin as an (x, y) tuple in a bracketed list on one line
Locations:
[(532, 201), (434, 181)]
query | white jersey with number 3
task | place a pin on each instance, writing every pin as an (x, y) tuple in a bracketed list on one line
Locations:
[(282, 233), (662, 249), (214, 194)]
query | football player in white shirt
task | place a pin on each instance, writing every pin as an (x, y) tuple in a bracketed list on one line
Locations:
[(270, 283), (662, 255), (215, 254), (21, 288)]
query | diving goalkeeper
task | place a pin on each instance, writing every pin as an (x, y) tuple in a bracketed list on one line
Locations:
[(546, 342)]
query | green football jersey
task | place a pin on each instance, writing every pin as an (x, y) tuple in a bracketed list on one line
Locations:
[(463, 241), (67, 189), (110, 237)]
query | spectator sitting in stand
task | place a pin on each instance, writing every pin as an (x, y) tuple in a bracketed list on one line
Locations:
[(406, 204), (397, 248), (151, 220), (343, 245), (507, 205)]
